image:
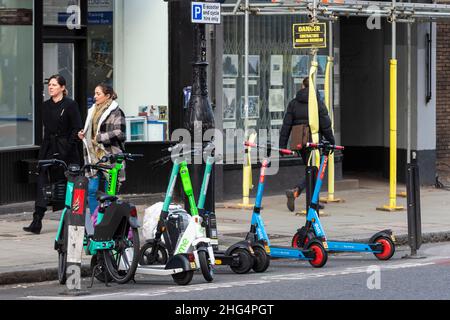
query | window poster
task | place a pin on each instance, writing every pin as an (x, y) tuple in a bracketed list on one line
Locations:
[(229, 104), (253, 66), (230, 65), (276, 70), (300, 66), (253, 107), (276, 100)]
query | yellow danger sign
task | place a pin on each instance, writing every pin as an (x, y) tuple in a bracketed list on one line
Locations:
[(308, 35)]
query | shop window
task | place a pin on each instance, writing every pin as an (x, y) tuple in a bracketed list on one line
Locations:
[(55, 12), (276, 72), (100, 45), (16, 73)]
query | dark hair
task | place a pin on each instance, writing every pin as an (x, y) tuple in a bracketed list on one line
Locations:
[(306, 82), (107, 90), (61, 81)]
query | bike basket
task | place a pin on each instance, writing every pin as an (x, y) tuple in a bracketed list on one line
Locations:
[(55, 192)]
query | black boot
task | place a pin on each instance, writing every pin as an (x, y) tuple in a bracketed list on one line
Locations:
[(36, 225), (291, 195)]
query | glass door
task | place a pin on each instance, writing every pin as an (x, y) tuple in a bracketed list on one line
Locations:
[(59, 58), (16, 73)]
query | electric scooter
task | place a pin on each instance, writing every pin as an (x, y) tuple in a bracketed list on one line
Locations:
[(240, 256), (192, 249), (314, 252), (382, 244)]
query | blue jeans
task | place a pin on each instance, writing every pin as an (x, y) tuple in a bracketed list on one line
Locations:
[(94, 184), (92, 192)]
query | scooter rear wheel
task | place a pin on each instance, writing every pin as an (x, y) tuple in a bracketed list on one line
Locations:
[(245, 261), (114, 257), (262, 260), (100, 276), (183, 278), (205, 266), (321, 255), (62, 267), (388, 248), (62, 254)]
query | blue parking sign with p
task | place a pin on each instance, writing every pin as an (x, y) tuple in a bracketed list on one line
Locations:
[(197, 12)]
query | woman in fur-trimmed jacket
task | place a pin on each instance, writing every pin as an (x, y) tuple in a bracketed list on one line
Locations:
[(103, 134)]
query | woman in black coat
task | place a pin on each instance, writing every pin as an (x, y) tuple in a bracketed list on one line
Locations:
[(62, 122)]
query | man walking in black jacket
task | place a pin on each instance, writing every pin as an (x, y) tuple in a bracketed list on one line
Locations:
[(296, 114)]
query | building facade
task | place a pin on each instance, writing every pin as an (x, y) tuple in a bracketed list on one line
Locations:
[(145, 50), (443, 98)]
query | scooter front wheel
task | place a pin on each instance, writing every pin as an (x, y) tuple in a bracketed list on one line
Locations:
[(62, 267), (321, 255), (152, 256), (262, 260), (183, 278), (205, 266), (388, 248), (301, 238)]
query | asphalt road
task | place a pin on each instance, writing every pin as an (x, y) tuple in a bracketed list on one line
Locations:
[(346, 276)]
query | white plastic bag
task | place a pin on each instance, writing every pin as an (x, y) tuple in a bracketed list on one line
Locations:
[(151, 219)]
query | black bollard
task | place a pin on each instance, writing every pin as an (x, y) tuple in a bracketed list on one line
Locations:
[(414, 214)]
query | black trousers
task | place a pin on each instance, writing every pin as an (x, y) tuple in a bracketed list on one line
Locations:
[(302, 182)]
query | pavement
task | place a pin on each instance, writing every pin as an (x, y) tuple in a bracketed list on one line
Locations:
[(27, 258)]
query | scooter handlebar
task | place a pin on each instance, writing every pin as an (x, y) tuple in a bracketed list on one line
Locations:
[(52, 162), (114, 157), (323, 146), (283, 151)]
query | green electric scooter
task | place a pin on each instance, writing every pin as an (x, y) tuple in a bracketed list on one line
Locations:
[(185, 250)]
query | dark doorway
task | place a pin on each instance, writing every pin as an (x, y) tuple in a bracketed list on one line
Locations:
[(362, 96)]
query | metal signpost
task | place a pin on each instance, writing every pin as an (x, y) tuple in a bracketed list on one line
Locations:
[(199, 116)]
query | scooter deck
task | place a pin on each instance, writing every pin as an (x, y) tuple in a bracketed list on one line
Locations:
[(348, 246), (290, 253), (157, 270), (223, 259)]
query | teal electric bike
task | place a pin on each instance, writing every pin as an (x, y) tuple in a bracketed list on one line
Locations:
[(113, 239)]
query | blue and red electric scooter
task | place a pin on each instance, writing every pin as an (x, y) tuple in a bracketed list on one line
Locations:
[(381, 244), (314, 252)]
